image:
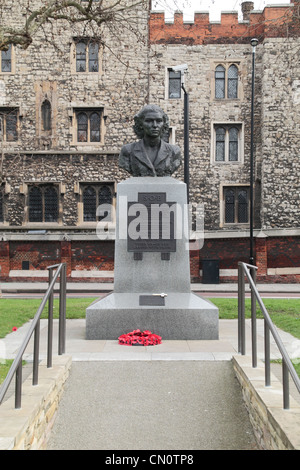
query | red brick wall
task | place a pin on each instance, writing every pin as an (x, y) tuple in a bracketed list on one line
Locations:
[(272, 252), (272, 22)]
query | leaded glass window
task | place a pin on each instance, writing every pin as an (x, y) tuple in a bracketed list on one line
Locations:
[(242, 206), (229, 205), (50, 204), (236, 205), (105, 197), (1, 205), (93, 196), (174, 84), (43, 203), (220, 144), (227, 143), (35, 205), (220, 82), (82, 127), (46, 115), (81, 56), (87, 56), (6, 60), (89, 204), (9, 124), (95, 127), (93, 57), (89, 125), (232, 83), (233, 144)]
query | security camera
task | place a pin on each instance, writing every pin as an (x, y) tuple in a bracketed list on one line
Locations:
[(180, 68)]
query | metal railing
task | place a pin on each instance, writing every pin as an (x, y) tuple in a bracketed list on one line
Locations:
[(16, 367), (287, 367)]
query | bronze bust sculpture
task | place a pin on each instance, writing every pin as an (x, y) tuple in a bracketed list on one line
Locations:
[(150, 156)]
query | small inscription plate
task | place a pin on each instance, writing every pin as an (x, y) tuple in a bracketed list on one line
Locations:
[(151, 224), (155, 300)]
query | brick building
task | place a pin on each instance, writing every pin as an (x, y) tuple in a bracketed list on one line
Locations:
[(66, 108)]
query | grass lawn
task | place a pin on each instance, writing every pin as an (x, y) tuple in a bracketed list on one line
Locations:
[(15, 312), (285, 314)]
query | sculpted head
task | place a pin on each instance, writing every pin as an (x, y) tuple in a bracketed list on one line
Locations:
[(141, 115)]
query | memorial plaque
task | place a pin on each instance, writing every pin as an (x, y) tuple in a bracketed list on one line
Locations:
[(151, 224), (152, 300)]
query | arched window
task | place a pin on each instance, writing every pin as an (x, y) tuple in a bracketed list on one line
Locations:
[(220, 144), (46, 115), (236, 205), (232, 83), (82, 127), (89, 204), (220, 82), (233, 144), (89, 123), (105, 197), (95, 127)]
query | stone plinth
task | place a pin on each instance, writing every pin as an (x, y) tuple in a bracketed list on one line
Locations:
[(154, 265)]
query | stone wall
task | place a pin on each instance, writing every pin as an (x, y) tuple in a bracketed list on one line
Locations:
[(29, 427)]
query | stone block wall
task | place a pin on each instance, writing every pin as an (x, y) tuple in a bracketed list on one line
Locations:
[(29, 427)]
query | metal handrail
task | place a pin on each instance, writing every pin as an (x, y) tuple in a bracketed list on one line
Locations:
[(16, 367), (287, 366)]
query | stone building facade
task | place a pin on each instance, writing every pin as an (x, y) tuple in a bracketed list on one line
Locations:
[(67, 107)]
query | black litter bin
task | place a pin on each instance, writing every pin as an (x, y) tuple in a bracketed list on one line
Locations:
[(210, 271)]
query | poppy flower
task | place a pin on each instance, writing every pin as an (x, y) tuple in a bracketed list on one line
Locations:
[(14, 328), (139, 338)]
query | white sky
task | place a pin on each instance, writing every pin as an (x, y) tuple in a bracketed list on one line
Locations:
[(213, 6)]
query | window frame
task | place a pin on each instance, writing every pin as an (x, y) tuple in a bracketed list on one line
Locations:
[(43, 185), (12, 61), (4, 113), (88, 41), (236, 188), (97, 186), (88, 111), (226, 66), (240, 142)]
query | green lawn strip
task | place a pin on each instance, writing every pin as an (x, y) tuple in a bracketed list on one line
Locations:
[(285, 313)]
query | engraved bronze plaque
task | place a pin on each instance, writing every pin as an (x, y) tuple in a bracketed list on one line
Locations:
[(151, 224), (152, 300)]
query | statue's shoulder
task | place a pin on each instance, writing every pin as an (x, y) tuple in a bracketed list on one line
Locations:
[(173, 148), (128, 148)]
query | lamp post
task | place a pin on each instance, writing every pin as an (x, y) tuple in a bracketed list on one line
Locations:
[(254, 43), (182, 69)]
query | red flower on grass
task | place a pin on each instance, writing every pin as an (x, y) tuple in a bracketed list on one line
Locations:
[(140, 338), (14, 328)]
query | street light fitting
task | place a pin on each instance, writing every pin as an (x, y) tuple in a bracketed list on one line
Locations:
[(254, 42)]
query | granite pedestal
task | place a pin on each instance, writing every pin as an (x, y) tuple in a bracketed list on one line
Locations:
[(154, 265)]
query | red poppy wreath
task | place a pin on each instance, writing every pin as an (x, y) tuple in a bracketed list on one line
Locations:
[(139, 338)]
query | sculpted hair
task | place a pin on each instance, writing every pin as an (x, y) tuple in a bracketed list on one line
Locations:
[(139, 117)]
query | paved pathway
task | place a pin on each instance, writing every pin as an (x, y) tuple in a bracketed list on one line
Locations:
[(176, 395)]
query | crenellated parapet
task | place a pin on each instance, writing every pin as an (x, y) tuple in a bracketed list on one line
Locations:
[(273, 21)]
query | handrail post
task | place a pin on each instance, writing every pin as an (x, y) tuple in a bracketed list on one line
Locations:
[(241, 311), (50, 322), (253, 321), (62, 312), (36, 353), (18, 390), (285, 382), (267, 354)]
